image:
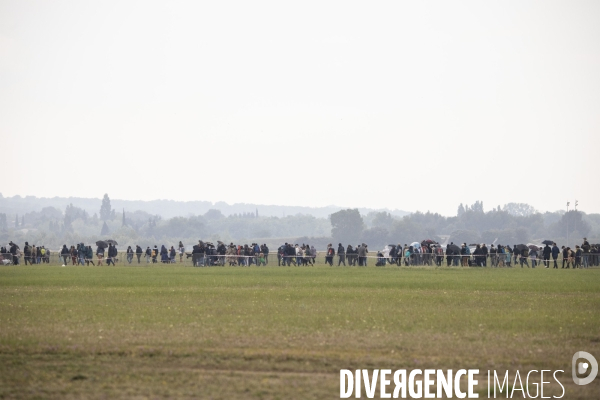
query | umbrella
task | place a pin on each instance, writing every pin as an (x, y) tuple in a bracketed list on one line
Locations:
[(113, 242), (473, 244), (548, 242), (533, 247), (453, 248), (415, 244), (520, 247), (429, 241), (101, 243)]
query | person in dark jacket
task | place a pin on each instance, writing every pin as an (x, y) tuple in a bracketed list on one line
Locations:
[(578, 254), (546, 252), (477, 255), (89, 256), (524, 255), (129, 254), (565, 254), (555, 253), (585, 249), (164, 254), (484, 254), (13, 251), (138, 252), (65, 254), (112, 253), (329, 255), (341, 255)]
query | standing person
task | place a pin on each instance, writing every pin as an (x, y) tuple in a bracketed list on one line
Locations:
[(27, 253), (585, 248), (280, 255), (154, 254), (300, 255), (38, 252), (509, 254), (148, 255), (555, 253), (110, 252), (164, 254), (516, 253), (265, 251), (173, 254), (493, 256), (74, 255), (181, 251), (439, 256), (533, 255), (64, 253), (81, 251), (578, 253), (138, 252), (500, 255), (484, 253), (13, 252), (89, 256), (362, 255), (341, 255), (329, 255), (350, 255), (546, 253), (524, 255), (129, 254), (565, 254), (313, 254), (477, 256), (290, 254)]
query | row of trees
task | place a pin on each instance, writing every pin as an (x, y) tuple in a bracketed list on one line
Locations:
[(510, 224)]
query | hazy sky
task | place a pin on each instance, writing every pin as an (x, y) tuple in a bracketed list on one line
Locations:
[(416, 105)]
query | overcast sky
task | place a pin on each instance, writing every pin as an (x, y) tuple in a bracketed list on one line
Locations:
[(415, 105)]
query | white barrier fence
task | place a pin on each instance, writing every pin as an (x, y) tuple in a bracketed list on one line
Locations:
[(273, 258)]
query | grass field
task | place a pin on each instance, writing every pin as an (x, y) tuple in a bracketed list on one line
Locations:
[(279, 332)]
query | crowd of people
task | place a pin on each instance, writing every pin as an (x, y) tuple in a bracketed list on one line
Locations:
[(479, 255), (426, 252)]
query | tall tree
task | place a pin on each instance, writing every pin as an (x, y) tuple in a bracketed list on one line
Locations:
[(105, 209), (124, 221), (519, 209), (347, 226), (105, 230)]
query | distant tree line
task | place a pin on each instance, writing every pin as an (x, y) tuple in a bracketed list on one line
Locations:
[(511, 224)]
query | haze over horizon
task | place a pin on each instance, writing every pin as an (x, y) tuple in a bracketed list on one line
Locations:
[(398, 105), (487, 207)]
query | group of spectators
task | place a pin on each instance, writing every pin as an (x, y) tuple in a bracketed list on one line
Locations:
[(426, 253), (479, 255), (31, 254), (206, 254)]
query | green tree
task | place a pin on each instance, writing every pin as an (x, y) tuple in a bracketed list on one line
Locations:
[(105, 209), (105, 230), (347, 226), (383, 220), (519, 209)]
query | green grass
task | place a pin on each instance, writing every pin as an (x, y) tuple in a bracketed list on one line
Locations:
[(280, 332)]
